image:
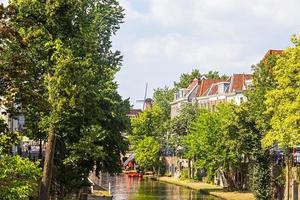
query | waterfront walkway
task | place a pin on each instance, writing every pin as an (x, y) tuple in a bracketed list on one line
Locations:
[(209, 189)]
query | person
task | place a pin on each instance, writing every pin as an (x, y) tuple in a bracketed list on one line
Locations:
[(29, 151)]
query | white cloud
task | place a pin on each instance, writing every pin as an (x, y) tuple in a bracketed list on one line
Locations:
[(168, 37), (200, 12), (188, 51)]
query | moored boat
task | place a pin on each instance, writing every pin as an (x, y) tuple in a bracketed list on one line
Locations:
[(134, 174)]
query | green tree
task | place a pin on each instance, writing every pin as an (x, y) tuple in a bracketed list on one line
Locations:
[(7, 138), (255, 123), (58, 67), (186, 78), (215, 75), (149, 123), (213, 142), (147, 153), (19, 177), (162, 98), (283, 104), (258, 160), (179, 128), (179, 125)]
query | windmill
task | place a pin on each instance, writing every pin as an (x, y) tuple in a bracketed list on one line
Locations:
[(147, 102)]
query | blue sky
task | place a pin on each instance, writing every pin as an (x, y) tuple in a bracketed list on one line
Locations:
[(161, 39)]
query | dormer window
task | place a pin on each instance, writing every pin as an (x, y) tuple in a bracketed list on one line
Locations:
[(223, 87), (181, 93), (226, 87)]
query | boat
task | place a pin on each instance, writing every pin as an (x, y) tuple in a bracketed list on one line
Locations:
[(134, 174)]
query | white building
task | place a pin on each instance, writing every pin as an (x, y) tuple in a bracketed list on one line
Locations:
[(231, 90)]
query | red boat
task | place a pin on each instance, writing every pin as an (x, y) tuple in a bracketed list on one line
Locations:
[(134, 174)]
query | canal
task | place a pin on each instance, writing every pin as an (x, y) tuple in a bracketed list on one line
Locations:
[(128, 188)]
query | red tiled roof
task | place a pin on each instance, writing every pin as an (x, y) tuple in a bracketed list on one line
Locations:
[(193, 84), (238, 81), (213, 90), (273, 52), (270, 53), (205, 85)]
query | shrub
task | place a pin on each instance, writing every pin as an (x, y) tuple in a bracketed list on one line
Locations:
[(184, 174), (19, 178)]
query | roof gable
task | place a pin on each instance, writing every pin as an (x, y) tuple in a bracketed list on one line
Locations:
[(205, 85), (238, 82), (193, 84), (273, 52)]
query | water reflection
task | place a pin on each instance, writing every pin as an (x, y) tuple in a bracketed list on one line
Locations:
[(128, 188)]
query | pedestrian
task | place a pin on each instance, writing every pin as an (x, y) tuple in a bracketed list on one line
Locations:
[(29, 151)]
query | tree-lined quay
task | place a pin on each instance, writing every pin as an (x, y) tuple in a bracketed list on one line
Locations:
[(63, 121)]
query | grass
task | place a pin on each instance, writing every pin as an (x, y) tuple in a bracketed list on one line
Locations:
[(208, 188)]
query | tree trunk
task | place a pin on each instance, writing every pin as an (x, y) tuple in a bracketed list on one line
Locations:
[(41, 149), (287, 192), (62, 157), (189, 169), (48, 166)]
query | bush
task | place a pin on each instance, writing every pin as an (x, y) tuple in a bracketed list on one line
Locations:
[(19, 178), (184, 174), (162, 169)]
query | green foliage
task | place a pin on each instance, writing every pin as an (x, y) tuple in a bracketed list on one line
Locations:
[(254, 123), (7, 138), (283, 102), (147, 153), (149, 123), (261, 176), (147, 136), (249, 145), (215, 75), (179, 125), (19, 178), (162, 98), (184, 175), (262, 82), (58, 67), (186, 78), (212, 140)]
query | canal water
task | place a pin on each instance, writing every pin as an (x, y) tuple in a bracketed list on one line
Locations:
[(129, 188)]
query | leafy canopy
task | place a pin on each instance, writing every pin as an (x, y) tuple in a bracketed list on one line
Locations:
[(186, 78), (180, 125), (149, 123), (19, 177), (283, 102), (146, 153), (212, 141), (162, 98), (57, 66)]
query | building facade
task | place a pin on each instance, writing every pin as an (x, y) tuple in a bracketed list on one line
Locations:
[(207, 93), (218, 91)]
